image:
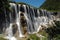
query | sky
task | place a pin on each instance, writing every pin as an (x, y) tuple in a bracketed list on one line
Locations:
[(35, 3)]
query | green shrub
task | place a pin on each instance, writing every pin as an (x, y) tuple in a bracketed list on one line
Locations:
[(51, 5), (34, 37)]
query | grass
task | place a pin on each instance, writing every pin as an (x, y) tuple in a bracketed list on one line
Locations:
[(1, 38), (33, 37), (43, 33)]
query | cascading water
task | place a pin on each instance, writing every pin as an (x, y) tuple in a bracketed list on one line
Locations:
[(19, 23), (10, 33), (28, 19), (26, 16), (9, 29), (34, 19)]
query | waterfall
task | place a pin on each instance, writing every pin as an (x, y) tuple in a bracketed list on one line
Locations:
[(19, 23), (38, 21), (9, 29), (28, 19), (10, 32), (34, 19)]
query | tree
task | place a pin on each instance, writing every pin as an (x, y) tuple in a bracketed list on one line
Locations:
[(54, 31), (4, 6), (53, 5)]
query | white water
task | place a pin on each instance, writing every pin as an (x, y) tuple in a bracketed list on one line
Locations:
[(28, 19), (37, 22), (33, 23), (9, 30), (19, 24), (10, 33)]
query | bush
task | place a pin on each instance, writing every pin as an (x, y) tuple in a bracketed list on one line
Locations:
[(54, 31), (34, 37)]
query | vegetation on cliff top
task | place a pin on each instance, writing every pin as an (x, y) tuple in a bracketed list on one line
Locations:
[(51, 5), (4, 5)]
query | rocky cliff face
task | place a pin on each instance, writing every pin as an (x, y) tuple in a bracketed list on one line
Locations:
[(24, 19)]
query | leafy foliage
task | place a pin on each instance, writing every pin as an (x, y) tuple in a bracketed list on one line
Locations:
[(57, 37), (53, 5), (4, 4), (54, 31), (34, 37)]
